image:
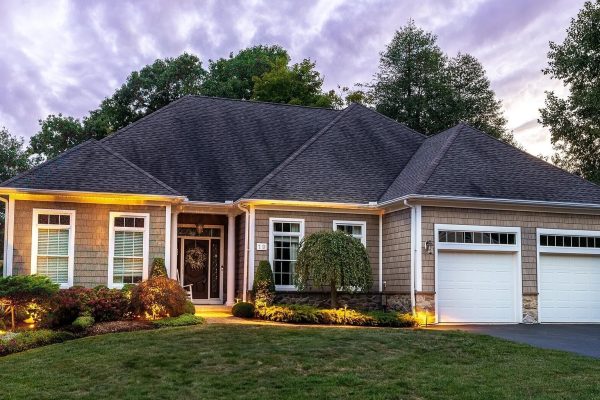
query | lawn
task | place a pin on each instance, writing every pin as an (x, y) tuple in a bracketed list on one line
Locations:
[(279, 362)]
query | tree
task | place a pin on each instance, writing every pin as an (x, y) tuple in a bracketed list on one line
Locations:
[(233, 77), (57, 133), (299, 84), (13, 156), (574, 121), (335, 260), (418, 84)]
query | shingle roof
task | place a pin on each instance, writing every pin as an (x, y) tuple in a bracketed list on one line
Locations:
[(465, 162), (215, 149), (352, 160), (91, 167), (211, 149)]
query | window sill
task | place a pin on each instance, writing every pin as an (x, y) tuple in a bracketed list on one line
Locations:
[(285, 288)]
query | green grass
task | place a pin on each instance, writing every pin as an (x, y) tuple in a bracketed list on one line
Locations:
[(278, 362)]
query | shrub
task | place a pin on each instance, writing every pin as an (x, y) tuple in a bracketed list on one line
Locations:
[(158, 297), (83, 322), (394, 319), (343, 316), (18, 291), (20, 341), (299, 314), (189, 308), (334, 260), (108, 305), (263, 287), (158, 268), (243, 310), (182, 320), (69, 304)]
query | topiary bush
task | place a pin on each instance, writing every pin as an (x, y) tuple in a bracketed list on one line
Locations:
[(243, 310), (83, 322), (263, 287), (158, 297), (109, 304), (158, 268)]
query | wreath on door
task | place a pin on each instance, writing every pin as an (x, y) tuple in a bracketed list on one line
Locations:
[(196, 259)]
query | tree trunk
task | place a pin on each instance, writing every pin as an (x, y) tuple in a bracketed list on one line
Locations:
[(12, 317), (333, 295)]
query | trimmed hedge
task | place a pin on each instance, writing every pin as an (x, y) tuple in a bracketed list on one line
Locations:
[(21, 341), (301, 314), (243, 310), (182, 320)]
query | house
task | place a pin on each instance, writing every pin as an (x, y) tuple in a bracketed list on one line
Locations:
[(458, 224)]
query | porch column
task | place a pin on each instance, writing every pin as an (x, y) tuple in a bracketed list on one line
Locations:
[(230, 260), (173, 269)]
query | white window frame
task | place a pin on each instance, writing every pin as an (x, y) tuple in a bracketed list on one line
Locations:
[(111, 243), (482, 247), (34, 240), (300, 234), (362, 224)]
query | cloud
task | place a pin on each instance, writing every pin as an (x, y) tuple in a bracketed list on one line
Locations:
[(66, 56)]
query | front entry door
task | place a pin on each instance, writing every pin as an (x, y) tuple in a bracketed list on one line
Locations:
[(201, 260)]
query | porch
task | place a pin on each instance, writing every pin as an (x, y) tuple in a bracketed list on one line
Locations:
[(203, 255)]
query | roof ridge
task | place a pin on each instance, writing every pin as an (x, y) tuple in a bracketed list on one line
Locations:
[(48, 162), (263, 102), (147, 116), (529, 155), (436, 161), (296, 153), (137, 168)]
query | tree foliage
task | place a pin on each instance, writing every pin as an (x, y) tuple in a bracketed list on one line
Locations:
[(574, 121), (419, 85), (334, 260), (14, 159)]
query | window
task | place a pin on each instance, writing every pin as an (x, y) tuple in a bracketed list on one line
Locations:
[(570, 241), (494, 238), (353, 228), (53, 242), (285, 236), (128, 249)]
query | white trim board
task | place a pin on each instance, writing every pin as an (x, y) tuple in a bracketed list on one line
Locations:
[(35, 226), (111, 243), (272, 220), (362, 224)]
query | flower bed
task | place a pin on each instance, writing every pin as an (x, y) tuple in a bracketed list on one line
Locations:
[(14, 342), (301, 314)]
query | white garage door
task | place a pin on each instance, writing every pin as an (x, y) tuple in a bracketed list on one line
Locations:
[(569, 288), (477, 287)]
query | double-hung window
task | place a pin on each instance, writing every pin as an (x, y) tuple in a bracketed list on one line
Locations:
[(128, 248), (356, 229), (53, 245), (285, 235)]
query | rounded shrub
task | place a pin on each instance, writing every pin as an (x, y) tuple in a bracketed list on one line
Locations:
[(109, 305), (83, 322), (243, 310), (189, 308), (158, 268), (158, 297)]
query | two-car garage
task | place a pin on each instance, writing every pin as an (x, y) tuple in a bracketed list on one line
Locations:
[(478, 275)]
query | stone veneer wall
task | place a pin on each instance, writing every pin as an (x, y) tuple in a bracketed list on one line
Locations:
[(91, 237), (528, 221)]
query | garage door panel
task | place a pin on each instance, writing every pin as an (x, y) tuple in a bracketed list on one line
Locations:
[(569, 288), (476, 286)]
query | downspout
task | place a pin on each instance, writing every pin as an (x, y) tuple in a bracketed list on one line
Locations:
[(5, 237), (246, 251), (413, 253), (381, 252)]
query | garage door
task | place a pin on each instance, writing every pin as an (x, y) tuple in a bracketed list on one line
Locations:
[(569, 288), (477, 287)]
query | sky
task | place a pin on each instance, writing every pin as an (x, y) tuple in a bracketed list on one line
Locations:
[(66, 56)]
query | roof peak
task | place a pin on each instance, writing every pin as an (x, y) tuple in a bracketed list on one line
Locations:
[(200, 96)]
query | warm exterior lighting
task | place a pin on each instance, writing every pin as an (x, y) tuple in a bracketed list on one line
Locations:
[(199, 229), (425, 317), (429, 246)]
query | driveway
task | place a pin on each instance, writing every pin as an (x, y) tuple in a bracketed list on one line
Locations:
[(582, 339)]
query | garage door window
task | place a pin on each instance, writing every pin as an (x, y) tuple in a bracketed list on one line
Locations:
[(570, 241), (477, 237)]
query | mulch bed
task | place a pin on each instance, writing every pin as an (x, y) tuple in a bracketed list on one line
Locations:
[(119, 326)]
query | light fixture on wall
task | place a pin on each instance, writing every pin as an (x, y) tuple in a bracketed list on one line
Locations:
[(429, 246), (199, 229)]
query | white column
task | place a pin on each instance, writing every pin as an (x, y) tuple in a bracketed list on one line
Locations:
[(168, 238), (251, 246), (10, 221), (230, 259), (173, 269), (380, 253)]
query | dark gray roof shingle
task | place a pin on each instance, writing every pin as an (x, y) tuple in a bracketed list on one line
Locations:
[(91, 167)]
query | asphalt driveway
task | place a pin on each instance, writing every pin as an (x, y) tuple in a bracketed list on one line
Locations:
[(582, 339)]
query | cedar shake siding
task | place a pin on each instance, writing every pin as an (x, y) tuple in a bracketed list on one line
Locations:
[(91, 237), (316, 222), (528, 222), (396, 252)]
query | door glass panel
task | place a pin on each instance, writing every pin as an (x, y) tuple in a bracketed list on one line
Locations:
[(215, 268), (196, 267)]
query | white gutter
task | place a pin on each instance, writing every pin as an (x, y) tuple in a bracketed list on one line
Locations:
[(246, 252), (380, 252), (260, 202)]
